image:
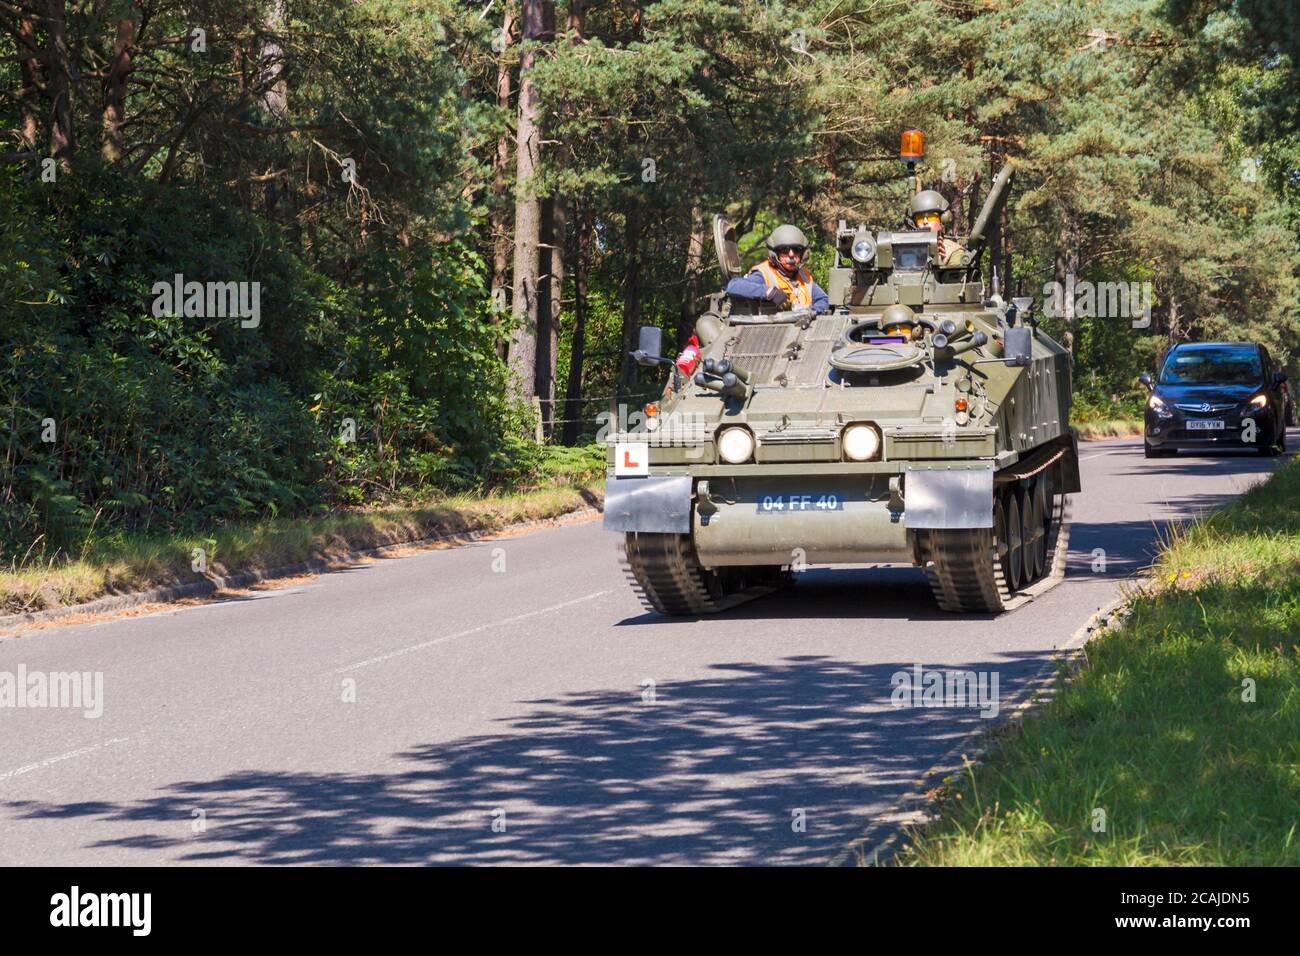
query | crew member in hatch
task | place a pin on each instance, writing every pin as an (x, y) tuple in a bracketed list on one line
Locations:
[(781, 279)]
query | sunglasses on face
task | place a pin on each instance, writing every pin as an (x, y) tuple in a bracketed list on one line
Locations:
[(927, 217), (789, 250)]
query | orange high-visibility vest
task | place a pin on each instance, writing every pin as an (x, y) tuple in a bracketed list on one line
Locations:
[(799, 289)]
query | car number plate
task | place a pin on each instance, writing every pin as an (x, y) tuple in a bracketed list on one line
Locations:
[(1204, 424), (798, 504)]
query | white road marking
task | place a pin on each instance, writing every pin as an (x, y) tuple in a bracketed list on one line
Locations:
[(50, 761), (473, 630), (1101, 454)]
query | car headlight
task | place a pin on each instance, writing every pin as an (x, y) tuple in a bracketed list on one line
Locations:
[(1259, 401), (735, 445), (1157, 405), (861, 442)]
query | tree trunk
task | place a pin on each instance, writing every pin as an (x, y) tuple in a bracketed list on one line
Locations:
[(275, 91), (955, 207), (119, 68), (577, 28), (523, 338), (631, 298), (691, 287), (545, 312), (60, 94), (500, 162), (30, 70), (577, 347), (548, 331), (973, 210), (550, 267), (1066, 265)]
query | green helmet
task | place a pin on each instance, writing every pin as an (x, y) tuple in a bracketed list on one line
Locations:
[(786, 235), (897, 315), (926, 201)]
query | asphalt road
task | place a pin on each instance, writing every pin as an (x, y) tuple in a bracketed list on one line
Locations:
[(493, 704)]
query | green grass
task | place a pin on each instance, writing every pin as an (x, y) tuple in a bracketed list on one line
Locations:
[(136, 563), (1153, 729), (1096, 429)]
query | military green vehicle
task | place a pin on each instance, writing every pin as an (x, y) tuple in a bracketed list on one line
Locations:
[(921, 421)]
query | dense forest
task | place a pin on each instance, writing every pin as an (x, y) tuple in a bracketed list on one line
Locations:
[(445, 219)]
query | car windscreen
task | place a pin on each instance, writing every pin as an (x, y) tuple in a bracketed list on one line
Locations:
[(1212, 367)]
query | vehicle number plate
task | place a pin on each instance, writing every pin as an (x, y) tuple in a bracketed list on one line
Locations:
[(1204, 424), (797, 504)]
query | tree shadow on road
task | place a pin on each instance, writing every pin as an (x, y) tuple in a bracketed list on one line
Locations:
[(715, 770)]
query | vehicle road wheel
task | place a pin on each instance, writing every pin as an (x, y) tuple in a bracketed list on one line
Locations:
[(1000, 533), (1035, 532), (1014, 565), (1149, 452), (1048, 511)]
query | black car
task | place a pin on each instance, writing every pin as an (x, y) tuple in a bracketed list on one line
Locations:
[(1207, 395)]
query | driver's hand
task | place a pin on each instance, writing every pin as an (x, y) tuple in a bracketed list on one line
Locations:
[(777, 296)]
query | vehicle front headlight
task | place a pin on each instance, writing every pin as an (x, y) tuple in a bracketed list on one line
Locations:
[(1259, 401), (735, 445), (864, 250), (1157, 405), (861, 442)]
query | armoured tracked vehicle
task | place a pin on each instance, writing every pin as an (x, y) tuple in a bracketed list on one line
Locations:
[(922, 420)]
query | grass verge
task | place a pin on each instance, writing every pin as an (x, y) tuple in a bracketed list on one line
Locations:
[(139, 563), (1183, 726), (1108, 428)]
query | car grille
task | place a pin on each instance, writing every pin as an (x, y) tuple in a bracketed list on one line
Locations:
[(1205, 408)]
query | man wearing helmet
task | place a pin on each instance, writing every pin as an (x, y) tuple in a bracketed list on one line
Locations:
[(928, 210), (782, 279)]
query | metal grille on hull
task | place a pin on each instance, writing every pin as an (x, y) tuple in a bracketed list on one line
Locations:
[(761, 350), (765, 351), (813, 363)]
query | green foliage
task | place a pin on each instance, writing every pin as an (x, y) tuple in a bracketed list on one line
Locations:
[(578, 465), (1131, 142), (180, 422)]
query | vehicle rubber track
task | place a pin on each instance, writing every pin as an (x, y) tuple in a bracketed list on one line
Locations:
[(964, 566), (667, 576)]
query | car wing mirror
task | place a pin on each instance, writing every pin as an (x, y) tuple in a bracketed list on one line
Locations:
[(650, 346), (1145, 379)]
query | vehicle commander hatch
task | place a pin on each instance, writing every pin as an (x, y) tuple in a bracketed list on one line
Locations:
[(724, 241)]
